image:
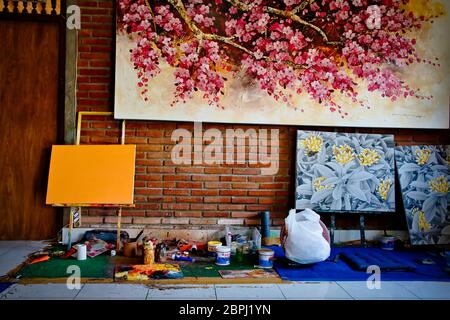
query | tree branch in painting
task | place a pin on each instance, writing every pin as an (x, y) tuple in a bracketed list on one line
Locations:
[(321, 47)]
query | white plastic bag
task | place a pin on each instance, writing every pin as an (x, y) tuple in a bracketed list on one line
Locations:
[(304, 242)]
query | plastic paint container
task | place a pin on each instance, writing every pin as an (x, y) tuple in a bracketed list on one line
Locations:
[(81, 252), (266, 258), (212, 246), (387, 243), (223, 256)]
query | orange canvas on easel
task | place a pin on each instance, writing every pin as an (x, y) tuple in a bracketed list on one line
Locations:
[(86, 175)]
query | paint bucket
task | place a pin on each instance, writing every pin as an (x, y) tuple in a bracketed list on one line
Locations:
[(129, 249), (266, 258), (212, 245), (81, 252), (388, 243), (223, 255)]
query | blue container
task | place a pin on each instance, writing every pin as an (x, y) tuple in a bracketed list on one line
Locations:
[(265, 224)]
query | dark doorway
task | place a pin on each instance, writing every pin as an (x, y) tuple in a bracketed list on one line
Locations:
[(30, 101)]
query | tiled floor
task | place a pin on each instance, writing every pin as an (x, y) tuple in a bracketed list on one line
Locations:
[(322, 290), (249, 292), (12, 253), (291, 291), (389, 291), (184, 292)]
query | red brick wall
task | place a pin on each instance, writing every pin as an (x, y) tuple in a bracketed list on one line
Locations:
[(169, 195)]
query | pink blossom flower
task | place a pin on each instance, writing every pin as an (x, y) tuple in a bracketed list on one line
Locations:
[(373, 20)]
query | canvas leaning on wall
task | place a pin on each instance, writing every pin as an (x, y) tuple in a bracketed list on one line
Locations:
[(424, 175), (345, 172)]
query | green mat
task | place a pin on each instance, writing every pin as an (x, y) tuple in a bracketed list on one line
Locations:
[(102, 266), (211, 270), (98, 267)]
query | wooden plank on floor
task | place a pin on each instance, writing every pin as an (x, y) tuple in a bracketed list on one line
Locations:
[(188, 280)]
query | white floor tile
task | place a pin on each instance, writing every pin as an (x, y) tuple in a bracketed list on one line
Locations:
[(389, 290), (16, 252), (428, 289), (249, 292), (34, 245), (39, 292), (11, 244), (11, 260), (316, 291), (4, 250), (10, 264), (107, 291), (182, 292)]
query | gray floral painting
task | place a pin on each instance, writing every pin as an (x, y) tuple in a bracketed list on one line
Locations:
[(345, 172), (424, 180)]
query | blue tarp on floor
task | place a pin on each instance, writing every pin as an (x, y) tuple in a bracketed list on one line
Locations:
[(342, 271), (4, 286)]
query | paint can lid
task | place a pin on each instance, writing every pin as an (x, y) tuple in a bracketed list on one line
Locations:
[(266, 252), (223, 249)]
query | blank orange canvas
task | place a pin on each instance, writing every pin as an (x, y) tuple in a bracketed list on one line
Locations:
[(91, 174)]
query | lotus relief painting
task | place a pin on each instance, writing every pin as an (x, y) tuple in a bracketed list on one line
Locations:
[(424, 180), (363, 63), (345, 172)]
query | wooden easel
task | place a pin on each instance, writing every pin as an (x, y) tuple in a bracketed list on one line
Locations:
[(91, 163)]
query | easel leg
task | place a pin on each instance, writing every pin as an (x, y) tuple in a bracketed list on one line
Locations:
[(69, 242), (119, 218), (362, 230)]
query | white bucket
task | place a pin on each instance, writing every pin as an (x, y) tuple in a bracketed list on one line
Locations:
[(223, 256), (266, 258), (81, 252)]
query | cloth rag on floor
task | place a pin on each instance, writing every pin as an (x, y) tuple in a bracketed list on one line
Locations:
[(305, 243)]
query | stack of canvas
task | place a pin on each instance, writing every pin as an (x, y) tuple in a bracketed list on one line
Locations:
[(345, 172), (424, 180)]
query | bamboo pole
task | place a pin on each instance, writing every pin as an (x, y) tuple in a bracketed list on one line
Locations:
[(119, 218), (69, 242), (88, 113), (122, 139)]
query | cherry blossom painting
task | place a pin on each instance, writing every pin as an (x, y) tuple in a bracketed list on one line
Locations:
[(363, 63), (424, 175), (345, 172)]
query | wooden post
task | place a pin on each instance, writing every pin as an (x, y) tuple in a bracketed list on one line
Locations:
[(119, 217), (362, 226), (122, 138), (332, 228)]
